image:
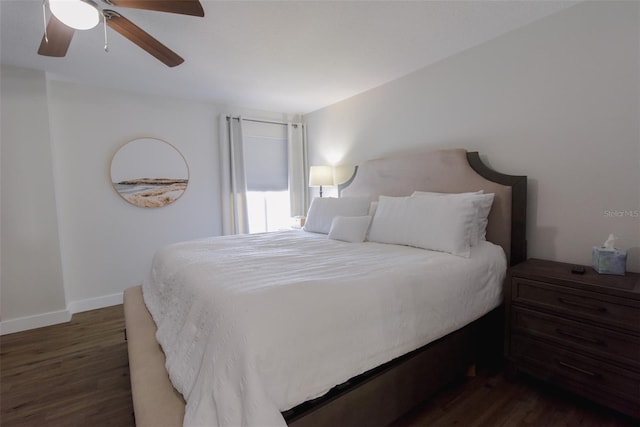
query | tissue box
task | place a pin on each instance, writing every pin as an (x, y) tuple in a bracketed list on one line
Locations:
[(609, 261)]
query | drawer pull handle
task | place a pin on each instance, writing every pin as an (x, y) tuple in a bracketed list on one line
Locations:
[(595, 341), (577, 369), (597, 308)]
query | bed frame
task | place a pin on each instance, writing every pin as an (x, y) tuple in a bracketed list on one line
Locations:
[(381, 395)]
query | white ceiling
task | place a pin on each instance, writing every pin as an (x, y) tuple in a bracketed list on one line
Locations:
[(286, 56)]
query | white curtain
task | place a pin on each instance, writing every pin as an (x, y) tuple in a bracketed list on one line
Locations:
[(235, 219), (297, 168)]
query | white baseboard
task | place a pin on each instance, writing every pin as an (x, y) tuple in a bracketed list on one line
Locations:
[(61, 316), (32, 322), (94, 303)]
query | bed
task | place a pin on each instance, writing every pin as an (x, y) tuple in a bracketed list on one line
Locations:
[(387, 383)]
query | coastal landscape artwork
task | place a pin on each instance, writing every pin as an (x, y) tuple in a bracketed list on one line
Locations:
[(149, 173)]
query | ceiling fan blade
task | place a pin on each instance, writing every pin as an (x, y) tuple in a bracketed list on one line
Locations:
[(184, 7), (143, 39), (59, 38)]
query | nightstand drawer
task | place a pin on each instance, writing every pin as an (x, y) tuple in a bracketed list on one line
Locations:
[(590, 373), (607, 344), (601, 309)]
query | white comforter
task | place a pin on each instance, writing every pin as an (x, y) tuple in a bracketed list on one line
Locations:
[(253, 325)]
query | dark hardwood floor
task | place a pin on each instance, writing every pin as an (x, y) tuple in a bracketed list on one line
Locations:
[(492, 401), (73, 374), (77, 374)]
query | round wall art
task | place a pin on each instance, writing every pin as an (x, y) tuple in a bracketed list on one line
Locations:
[(149, 173)]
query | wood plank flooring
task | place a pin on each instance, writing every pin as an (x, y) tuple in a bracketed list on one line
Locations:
[(491, 401), (77, 374), (73, 374)]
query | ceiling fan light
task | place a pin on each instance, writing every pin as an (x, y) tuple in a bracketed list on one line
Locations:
[(77, 14)]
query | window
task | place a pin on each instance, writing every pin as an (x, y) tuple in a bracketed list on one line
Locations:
[(266, 158), (262, 174)]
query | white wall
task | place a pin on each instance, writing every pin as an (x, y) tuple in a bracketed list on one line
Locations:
[(31, 270), (105, 244), (557, 100)]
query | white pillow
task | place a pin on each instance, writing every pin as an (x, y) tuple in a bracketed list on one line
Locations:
[(372, 208), (429, 222), (482, 203), (352, 229), (323, 210)]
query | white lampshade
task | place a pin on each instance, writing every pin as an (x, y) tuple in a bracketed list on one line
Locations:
[(77, 14), (320, 175)]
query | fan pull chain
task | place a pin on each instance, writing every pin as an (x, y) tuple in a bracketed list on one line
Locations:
[(44, 20), (106, 40)]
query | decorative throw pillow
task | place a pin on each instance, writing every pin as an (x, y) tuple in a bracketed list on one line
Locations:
[(352, 229)]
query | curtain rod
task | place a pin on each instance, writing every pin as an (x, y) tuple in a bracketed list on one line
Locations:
[(273, 122)]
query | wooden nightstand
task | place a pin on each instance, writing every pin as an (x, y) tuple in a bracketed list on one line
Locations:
[(581, 332)]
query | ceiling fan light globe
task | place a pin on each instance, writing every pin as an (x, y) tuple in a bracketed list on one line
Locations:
[(77, 14)]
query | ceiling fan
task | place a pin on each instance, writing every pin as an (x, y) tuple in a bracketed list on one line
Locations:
[(70, 15)]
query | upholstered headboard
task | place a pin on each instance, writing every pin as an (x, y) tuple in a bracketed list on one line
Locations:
[(451, 171)]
